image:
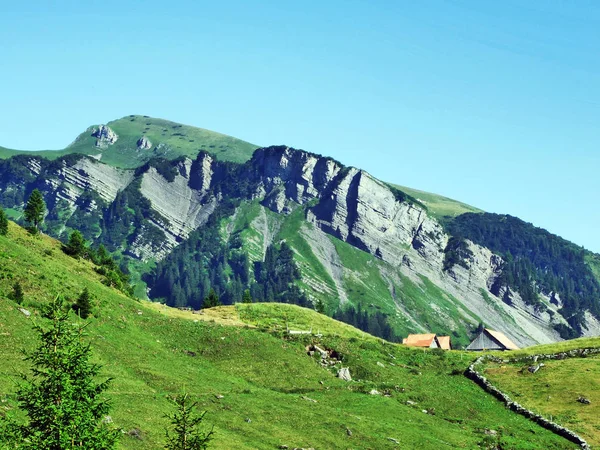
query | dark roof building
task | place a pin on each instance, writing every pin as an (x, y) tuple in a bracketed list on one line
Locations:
[(491, 340)]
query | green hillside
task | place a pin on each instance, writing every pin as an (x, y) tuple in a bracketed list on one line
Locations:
[(438, 205), (273, 393), (169, 140)]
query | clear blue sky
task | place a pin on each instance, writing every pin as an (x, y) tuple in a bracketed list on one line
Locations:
[(495, 103)]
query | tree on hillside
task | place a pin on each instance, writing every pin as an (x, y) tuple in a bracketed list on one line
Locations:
[(184, 433), (247, 297), (34, 211), (61, 399), (83, 304), (3, 223), (17, 294), (76, 246), (211, 300)]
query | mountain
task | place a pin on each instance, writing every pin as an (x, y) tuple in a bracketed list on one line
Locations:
[(260, 387), (297, 227), (133, 140)]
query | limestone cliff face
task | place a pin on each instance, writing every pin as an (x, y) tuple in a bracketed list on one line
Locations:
[(343, 202), (89, 174), (182, 202), (299, 176)]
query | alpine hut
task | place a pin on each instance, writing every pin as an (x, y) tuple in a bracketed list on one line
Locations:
[(429, 340), (421, 340), (491, 340)]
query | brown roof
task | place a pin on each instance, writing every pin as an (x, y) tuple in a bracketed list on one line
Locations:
[(444, 342), (419, 340), (500, 337)]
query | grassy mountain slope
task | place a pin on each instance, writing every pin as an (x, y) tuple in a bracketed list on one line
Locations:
[(267, 381), (169, 140), (438, 205), (553, 390)]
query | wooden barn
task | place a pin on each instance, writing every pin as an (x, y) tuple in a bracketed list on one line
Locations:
[(429, 340), (491, 340)]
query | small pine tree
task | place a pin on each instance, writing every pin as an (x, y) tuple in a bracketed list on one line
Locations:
[(247, 297), (184, 433), (61, 399), (83, 304), (211, 300), (102, 256), (76, 246), (3, 223), (17, 294), (320, 306), (35, 210)]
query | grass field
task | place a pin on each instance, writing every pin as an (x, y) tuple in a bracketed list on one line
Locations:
[(554, 390), (273, 392)]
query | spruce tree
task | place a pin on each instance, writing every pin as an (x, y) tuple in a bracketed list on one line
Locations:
[(184, 433), (76, 246), (17, 294), (320, 306), (83, 304), (3, 223), (247, 297), (211, 300), (35, 210), (61, 398)]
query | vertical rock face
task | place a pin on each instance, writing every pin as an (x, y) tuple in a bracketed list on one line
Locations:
[(300, 175), (104, 136), (364, 212)]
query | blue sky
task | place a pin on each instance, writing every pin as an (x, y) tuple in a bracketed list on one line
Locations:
[(496, 104)]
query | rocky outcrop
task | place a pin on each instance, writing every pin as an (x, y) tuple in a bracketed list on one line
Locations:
[(104, 136), (183, 202), (88, 174), (144, 143), (300, 176)]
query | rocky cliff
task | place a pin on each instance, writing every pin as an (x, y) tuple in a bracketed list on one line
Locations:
[(406, 272)]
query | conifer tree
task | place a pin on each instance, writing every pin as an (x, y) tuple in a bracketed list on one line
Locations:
[(61, 399), (3, 223), (17, 294), (211, 300), (35, 210), (184, 433), (320, 306), (247, 297), (76, 246), (83, 304)]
